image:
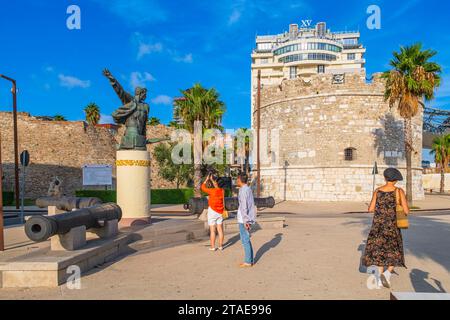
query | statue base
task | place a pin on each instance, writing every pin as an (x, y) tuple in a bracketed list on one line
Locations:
[(133, 186)]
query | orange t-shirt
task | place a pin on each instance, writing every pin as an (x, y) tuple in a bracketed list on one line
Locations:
[(216, 196)]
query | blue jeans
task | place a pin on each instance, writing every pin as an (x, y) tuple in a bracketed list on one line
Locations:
[(245, 238)]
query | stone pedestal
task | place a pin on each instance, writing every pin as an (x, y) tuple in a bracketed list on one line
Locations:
[(70, 241), (109, 229), (133, 186)]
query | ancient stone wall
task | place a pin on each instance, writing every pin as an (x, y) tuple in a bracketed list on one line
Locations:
[(317, 121), (61, 148)]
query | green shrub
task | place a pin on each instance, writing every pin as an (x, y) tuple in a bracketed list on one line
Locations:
[(171, 196), (104, 195), (158, 196), (8, 198)]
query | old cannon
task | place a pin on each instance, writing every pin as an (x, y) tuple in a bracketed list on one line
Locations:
[(197, 205), (67, 203), (40, 228)]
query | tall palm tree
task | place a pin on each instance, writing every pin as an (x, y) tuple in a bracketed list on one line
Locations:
[(199, 104), (441, 151), (59, 117), (153, 121), (412, 78), (92, 112)]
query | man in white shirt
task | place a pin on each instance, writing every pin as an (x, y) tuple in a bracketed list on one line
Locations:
[(246, 216)]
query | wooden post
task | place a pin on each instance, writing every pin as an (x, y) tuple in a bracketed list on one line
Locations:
[(258, 127), (2, 240), (16, 144)]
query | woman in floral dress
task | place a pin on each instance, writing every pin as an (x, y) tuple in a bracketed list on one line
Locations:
[(384, 247)]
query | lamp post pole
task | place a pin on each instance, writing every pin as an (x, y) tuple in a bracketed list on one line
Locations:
[(2, 241), (258, 127), (16, 146)]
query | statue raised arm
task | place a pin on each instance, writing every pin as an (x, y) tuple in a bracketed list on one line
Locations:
[(124, 96)]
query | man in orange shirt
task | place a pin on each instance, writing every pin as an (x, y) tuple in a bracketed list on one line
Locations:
[(215, 209)]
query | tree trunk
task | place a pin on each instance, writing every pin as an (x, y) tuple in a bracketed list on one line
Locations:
[(442, 190), (197, 180), (408, 155)]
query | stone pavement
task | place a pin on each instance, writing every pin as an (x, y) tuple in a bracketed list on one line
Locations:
[(317, 256)]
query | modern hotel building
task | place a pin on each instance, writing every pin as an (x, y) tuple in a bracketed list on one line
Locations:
[(303, 52)]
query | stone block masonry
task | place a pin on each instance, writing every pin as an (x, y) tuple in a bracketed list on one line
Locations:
[(317, 122), (61, 148)]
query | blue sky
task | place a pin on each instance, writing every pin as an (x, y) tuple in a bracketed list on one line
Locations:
[(170, 45)]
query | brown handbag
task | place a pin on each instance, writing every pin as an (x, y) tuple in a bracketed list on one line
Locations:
[(225, 214), (402, 217)]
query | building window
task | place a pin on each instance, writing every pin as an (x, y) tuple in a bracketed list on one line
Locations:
[(264, 61), (292, 72), (351, 56), (350, 154), (320, 68)]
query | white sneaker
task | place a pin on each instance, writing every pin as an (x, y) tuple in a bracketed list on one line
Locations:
[(212, 249), (385, 278), (379, 284)]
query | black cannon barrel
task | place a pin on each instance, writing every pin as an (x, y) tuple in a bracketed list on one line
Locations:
[(67, 203), (40, 228), (197, 205)]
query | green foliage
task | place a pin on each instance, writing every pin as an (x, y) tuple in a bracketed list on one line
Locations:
[(200, 104), (168, 170), (441, 150), (59, 117), (8, 198), (174, 124), (92, 112), (158, 196), (153, 121), (104, 195), (171, 196), (412, 77)]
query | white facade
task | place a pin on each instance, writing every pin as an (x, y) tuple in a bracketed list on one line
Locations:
[(303, 52)]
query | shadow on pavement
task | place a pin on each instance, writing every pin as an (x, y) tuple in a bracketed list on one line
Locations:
[(420, 284), (267, 246)]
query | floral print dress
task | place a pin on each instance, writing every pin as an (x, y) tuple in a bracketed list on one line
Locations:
[(384, 245)]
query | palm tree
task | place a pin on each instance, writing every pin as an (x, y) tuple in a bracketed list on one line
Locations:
[(412, 78), (441, 151), (153, 121), (199, 104), (59, 117), (92, 112)]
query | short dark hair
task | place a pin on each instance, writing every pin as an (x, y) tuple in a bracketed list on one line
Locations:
[(243, 177)]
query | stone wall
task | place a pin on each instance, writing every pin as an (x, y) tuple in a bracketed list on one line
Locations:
[(432, 182), (317, 120), (61, 148)]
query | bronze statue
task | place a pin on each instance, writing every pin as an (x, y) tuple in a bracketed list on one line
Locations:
[(133, 114)]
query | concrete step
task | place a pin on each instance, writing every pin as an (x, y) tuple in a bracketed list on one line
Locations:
[(168, 233)]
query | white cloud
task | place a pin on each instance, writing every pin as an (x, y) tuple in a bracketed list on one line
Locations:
[(138, 79), (147, 45), (186, 58), (162, 99), (106, 119), (235, 16), (72, 82), (148, 48)]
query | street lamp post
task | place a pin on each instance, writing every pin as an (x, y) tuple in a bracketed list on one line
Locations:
[(258, 128), (16, 146), (2, 241)]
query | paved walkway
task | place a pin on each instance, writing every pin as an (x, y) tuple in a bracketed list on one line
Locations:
[(317, 256)]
